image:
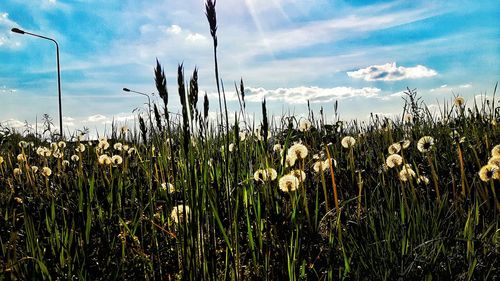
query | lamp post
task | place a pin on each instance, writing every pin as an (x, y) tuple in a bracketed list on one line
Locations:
[(19, 31)]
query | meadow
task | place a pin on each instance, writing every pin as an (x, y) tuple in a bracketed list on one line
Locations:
[(184, 197)]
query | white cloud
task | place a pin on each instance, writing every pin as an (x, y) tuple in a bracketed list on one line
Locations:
[(174, 29), (96, 118), (5, 90), (300, 95), (5, 34), (195, 37), (449, 89), (12, 123), (391, 72)]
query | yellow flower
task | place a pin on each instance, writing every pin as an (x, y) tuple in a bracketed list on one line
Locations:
[(17, 172), (177, 214), (459, 101), (425, 144), (80, 148), (394, 148), (394, 160), (288, 183), (495, 152), (75, 158), (488, 172), (348, 142), (299, 174), (304, 125), (46, 171), (116, 159), (299, 150)]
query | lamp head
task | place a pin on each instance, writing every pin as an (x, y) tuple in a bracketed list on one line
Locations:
[(17, 30), (126, 89)]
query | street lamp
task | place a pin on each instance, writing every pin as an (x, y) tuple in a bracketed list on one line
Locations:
[(19, 31)]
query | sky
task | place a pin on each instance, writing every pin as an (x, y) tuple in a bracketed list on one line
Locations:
[(362, 54)]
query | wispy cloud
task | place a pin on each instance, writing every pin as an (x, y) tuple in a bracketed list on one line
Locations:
[(6, 24), (301, 95), (391, 72)]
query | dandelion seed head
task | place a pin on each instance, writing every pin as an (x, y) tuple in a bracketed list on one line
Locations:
[(103, 145), (299, 174), (17, 172), (394, 148), (46, 171), (423, 180), (406, 174), (488, 172), (34, 169), (118, 146), (21, 157), (425, 144), (116, 159), (318, 166), (23, 144), (177, 214), (394, 160), (494, 161), (75, 158), (348, 142), (61, 144), (459, 101), (104, 160), (288, 183), (277, 147), (495, 151), (232, 147), (299, 150), (304, 125)]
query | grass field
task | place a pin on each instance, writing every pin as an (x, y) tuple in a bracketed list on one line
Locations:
[(187, 197)]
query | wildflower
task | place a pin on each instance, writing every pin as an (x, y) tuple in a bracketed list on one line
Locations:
[(277, 147), (459, 101), (495, 152), (177, 214), (18, 172), (34, 169), (406, 173), (494, 161), (116, 159), (118, 146), (425, 144), (104, 160), (288, 183), (231, 147), (61, 144), (304, 125), (299, 150), (168, 187), (46, 171), (75, 158), (423, 180), (488, 172), (394, 148), (21, 157), (301, 175), (348, 142), (394, 160), (80, 147)]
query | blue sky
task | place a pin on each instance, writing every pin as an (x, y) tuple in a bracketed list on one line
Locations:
[(361, 53)]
